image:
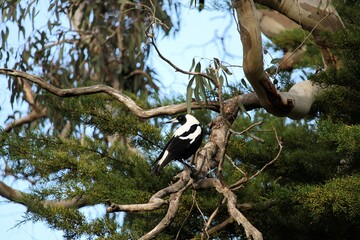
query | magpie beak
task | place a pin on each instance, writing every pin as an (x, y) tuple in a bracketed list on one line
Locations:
[(174, 120), (183, 144)]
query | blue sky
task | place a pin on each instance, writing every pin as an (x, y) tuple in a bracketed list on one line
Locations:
[(193, 40)]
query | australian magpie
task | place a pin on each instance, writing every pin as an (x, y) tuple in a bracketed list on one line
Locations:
[(183, 144)]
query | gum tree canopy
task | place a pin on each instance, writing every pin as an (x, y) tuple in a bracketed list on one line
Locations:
[(94, 119)]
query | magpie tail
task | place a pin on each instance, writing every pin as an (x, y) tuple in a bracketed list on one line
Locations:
[(156, 167)]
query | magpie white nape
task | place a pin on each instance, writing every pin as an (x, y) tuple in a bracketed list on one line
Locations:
[(183, 144)]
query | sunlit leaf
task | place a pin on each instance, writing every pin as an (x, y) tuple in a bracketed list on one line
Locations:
[(189, 93), (198, 67), (226, 70)]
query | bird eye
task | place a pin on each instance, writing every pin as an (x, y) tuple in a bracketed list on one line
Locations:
[(181, 119)]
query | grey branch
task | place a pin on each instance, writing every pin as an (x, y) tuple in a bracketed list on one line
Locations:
[(156, 200), (250, 101), (250, 231), (19, 197), (175, 191)]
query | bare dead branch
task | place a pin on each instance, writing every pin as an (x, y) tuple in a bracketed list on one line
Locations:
[(250, 231), (234, 165), (257, 139), (198, 207)]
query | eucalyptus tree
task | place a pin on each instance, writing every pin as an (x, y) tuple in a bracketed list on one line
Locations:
[(266, 178)]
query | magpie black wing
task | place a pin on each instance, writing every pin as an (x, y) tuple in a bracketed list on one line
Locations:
[(172, 150), (178, 147)]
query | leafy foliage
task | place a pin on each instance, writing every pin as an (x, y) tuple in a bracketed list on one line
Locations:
[(290, 40), (310, 191), (345, 88)]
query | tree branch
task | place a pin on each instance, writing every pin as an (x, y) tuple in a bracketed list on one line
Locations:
[(294, 104), (250, 101), (156, 200), (170, 215), (128, 102), (19, 197), (250, 231), (32, 116), (313, 16), (220, 226), (11, 194), (253, 64)]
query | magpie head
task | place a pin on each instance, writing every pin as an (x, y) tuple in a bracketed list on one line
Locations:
[(182, 119)]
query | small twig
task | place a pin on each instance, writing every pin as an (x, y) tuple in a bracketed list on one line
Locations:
[(221, 225), (70, 41), (187, 217), (211, 218), (197, 206), (246, 129), (256, 138), (302, 43), (233, 163), (238, 184), (272, 161), (152, 42)]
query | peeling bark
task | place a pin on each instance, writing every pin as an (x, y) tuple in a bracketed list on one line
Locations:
[(313, 16), (253, 64), (272, 23)]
